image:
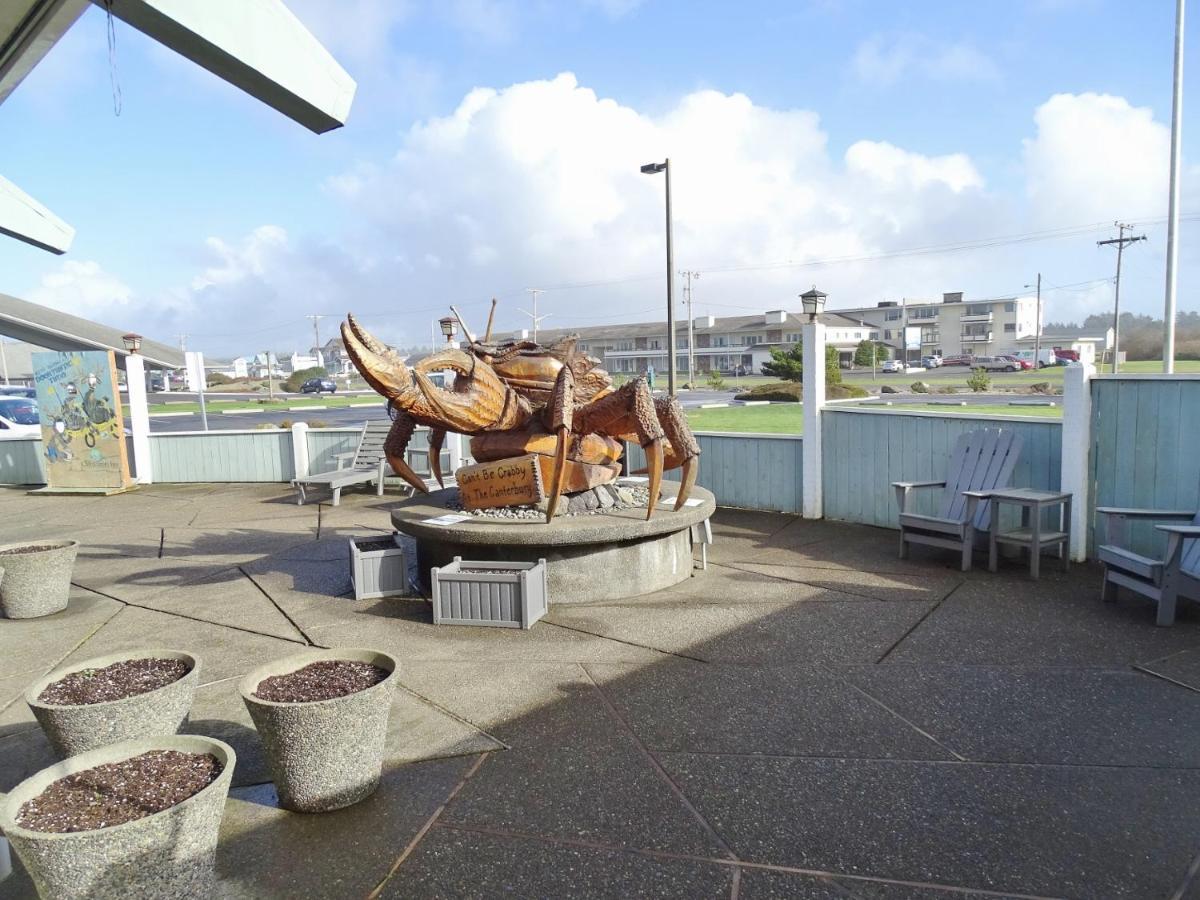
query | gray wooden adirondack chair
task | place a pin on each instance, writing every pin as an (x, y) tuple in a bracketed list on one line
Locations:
[(367, 464), (982, 461), (1162, 580)]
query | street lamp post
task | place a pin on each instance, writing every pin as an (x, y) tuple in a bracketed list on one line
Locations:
[(654, 169), (813, 332)]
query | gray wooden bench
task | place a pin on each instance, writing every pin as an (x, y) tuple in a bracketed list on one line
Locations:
[(366, 464), (982, 461)]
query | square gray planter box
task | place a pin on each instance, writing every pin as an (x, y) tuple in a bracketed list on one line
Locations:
[(478, 592), (378, 568)]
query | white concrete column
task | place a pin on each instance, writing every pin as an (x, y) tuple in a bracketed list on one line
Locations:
[(454, 443), (300, 449), (814, 399), (139, 417), (1076, 451)]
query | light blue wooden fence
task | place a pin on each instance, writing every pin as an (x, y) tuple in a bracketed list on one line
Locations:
[(752, 471), (325, 443), (21, 461), (233, 456), (1146, 447), (864, 451)]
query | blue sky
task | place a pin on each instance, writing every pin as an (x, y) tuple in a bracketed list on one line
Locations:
[(800, 132)]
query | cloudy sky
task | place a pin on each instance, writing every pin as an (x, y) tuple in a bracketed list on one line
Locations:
[(877, 150)]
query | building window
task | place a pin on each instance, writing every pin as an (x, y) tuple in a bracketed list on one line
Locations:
[(927, 312), (1010, 326), (719, 342), (751, 339), (583, 346), (624, 345), (655, 344), (791, 338), (1010, 307), (978, 309), (893, 315), (874, 335)]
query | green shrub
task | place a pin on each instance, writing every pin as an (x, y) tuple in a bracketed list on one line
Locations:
[(919, 387), (296, 379), (979, 381), (217, 378), (844, 391), (716, 381), (785, 391)]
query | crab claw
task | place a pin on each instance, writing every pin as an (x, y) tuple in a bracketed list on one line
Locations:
[(554, 489), (382, 369), (480, 400), (436, 437), (690, 468)]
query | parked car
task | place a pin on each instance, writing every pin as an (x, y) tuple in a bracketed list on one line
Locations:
[(1021, 363), (1045, 357), (931, 362), (963, 359), (19, 418), (995, 364), (891, 366), (15, 390), (318, 385)]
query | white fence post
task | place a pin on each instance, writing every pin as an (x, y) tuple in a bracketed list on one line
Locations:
[(139, 417), (813, 504), (1076, 452), (300, 448)]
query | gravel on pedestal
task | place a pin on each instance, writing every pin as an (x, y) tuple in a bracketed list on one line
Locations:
[(37, 577), (164, 855), (323, 754), (158, 708)]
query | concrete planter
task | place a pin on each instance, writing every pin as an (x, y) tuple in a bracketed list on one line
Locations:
[(77, 729), (165, 856), (326, 754), (36, 584), (378, 573), (501, 594)]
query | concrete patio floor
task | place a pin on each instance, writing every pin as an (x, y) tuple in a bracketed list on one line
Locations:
[(809, 718)]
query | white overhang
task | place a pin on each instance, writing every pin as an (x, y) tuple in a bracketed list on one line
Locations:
[(25, 219)]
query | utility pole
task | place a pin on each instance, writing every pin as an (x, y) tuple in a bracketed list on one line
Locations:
[(270, 377), (182, 342), (3, 360), (534, 315), (691, 333), (1037, 327), (1173, 204), (1120, 240), (317, 335)]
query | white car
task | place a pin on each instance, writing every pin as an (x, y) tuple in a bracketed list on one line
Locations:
[(891, 365), (19, 418)]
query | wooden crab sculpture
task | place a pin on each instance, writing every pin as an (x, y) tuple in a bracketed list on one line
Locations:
[(519, 397)]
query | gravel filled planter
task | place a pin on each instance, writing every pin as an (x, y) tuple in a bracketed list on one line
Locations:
[(37, 577), (87, 726), (323, 754), (164, 856)]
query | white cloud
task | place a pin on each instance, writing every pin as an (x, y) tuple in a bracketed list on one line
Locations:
[(1096, 157), (538, 184), (82, 288), (882, 61)]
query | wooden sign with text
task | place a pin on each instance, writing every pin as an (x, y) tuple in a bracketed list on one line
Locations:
[(508, 482)]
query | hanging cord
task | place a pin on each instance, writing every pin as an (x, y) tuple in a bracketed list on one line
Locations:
[(112, 59)]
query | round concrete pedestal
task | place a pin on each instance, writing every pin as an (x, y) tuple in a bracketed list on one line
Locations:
[(588, 558)]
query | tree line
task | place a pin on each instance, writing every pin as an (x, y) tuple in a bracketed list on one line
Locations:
[(1142, 336)]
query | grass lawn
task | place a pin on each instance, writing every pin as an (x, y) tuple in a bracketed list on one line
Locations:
[(779, 418)]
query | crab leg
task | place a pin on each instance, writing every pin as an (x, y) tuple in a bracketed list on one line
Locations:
[(629, 410), (561, 413), (683, 443), (394, 446), (437, 437)]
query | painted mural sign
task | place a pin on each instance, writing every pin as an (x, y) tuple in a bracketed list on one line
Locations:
[(83, 434)]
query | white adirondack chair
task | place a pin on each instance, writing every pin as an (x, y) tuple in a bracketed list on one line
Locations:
[(982, 461)]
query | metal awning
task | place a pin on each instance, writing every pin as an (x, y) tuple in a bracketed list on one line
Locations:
[(56, 330)]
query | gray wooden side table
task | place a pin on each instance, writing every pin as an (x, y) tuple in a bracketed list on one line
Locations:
[(1030, 534)]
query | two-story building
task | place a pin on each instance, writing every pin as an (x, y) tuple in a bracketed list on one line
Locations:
[(722, 344)]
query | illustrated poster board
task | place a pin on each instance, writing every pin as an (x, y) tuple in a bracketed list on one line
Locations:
[(83, 431)]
